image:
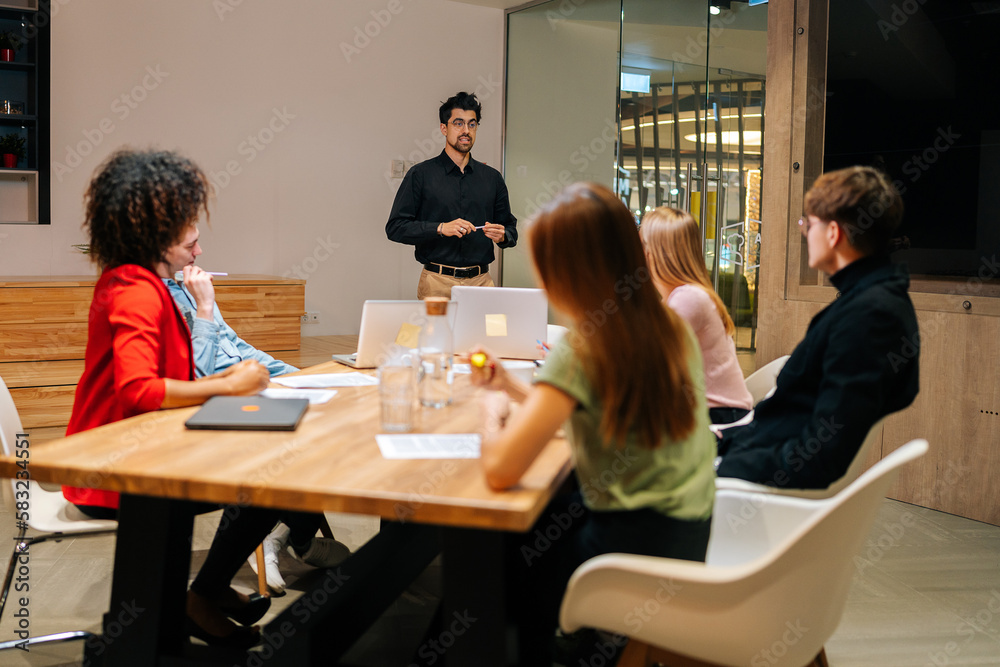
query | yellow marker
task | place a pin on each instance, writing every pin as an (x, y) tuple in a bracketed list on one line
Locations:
[(478, 360)]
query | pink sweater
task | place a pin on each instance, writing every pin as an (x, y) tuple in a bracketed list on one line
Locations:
[(724, 385)]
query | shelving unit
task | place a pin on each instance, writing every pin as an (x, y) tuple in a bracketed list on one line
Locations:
[(25, 190)]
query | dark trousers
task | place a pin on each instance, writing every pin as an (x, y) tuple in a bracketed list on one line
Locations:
[(726, 415), (302, 527), (240, 530)]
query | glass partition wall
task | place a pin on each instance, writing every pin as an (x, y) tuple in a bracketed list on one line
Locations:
[(662, 102)]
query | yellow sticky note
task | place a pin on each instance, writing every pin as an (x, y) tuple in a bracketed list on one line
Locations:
[(409, 335), (496, 325)]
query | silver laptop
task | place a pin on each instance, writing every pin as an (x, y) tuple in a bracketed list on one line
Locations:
[(387, 327), (509, 321)]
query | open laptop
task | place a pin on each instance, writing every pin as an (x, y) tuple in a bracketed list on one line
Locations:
[(509, 321), (387, 326), (249, 413)]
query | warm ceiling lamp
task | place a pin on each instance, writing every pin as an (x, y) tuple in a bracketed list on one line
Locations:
[(729, 138)]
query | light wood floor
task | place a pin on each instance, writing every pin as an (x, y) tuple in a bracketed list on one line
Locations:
[(926, 592)]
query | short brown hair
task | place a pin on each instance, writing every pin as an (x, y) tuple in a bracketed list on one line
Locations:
[(139, 204), (863, 201)]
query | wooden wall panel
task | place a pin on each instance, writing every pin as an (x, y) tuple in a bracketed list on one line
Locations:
[(958, 409), (958, 412), (43, 341), (260, 301), (44, 406), (269, 333), (35, 305)]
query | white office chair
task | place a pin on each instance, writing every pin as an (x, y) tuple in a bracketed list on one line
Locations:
[(554, 333), (761, 382), (49, 515), (772, 589)]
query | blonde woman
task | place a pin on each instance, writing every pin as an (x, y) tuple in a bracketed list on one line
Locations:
[(673, 249)]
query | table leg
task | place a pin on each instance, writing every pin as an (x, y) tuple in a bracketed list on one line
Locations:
[(473, 615), (152, 560)]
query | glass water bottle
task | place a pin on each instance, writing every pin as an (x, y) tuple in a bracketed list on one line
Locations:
[(434, 355)]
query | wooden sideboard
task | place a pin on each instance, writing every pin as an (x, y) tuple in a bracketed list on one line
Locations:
[(43, 334)]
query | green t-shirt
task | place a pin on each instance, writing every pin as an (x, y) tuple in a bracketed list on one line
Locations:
[(676, 478)]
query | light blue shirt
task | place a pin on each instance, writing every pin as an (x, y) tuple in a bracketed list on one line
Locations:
[(215, 345)]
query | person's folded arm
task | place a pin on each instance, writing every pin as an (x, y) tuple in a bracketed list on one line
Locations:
[(135, 331), (245, 378), (503, 216), (403, 226)]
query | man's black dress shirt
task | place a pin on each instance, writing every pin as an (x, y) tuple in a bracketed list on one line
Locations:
[(857, 363), (436, 191)]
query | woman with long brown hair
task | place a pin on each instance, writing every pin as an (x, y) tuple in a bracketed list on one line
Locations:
[(627, 379), (672, 244)]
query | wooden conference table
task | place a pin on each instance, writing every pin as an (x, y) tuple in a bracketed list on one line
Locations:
[(330, 463)]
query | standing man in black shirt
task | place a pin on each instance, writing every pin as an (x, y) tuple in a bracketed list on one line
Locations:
[(859, 359), (453, 208)]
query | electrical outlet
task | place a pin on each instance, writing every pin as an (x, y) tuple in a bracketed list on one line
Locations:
[(310, 318), (397, 168)]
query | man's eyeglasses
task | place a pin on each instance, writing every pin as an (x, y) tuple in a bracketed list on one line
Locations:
[(805, 225), (460, 124)]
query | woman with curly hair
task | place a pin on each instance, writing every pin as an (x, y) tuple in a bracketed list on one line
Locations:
[(142, 208), (672, 244)]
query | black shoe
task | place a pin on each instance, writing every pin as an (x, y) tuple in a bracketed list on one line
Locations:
[(251, 612), (242, 638)]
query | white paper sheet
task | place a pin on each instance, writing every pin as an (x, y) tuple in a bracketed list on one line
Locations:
[(326, 380), (429, 446), (315, 396)]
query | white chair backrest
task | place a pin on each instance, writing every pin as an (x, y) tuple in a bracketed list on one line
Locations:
[(761, 382), (554, 333), (810, 561), (10, 426)]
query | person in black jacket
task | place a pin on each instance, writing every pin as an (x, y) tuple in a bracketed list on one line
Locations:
[(859, 359), (453, 208)]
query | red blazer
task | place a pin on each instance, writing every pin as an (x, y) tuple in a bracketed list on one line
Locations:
[(136, 337)]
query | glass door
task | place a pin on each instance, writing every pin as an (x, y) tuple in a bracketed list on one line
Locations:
[(561, 120), (692, 98), (663, 102)]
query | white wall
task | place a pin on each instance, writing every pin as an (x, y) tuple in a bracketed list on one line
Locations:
[(314, 200)]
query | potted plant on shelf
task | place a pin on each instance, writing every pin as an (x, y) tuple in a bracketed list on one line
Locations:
[(12, 149), (9, 44)]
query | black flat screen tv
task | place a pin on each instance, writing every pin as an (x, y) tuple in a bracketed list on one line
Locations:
[(913, 89)]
